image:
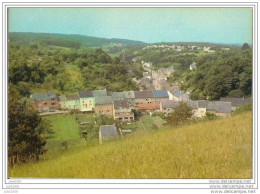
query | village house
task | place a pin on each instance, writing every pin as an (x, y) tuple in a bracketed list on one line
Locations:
[(62, 102), (142, 97), (87, 101), (130, 96), (104, 105), (122, 111), (117, 96), (149, 107), (160, 95), (98, 93), (107, 132), (237, 102), (167, 106), (219, 108), (44, 102), (73, 102), (179, 95)]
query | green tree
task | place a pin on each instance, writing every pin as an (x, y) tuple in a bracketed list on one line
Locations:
[(180, 115), (25, 132)]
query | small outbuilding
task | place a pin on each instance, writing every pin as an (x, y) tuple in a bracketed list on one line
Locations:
[(107, 132)]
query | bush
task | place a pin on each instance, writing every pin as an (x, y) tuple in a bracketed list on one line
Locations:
[(244, 108), (180, 115)]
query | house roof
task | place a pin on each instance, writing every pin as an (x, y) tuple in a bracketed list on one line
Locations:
[(72, 97), (218, 106), (192, 104), (129, 94), (237, 102), (85, 94), (121, 104), (62, 98), (169, 104), (104, 100), (97, 93), (160, 94), (202, 104), (118, 96), (43, 96), (108, 131), (149, 106), (144, 94)]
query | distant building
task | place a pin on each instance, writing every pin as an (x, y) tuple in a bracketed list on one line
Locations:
[(149, 107), (237, 102), (62, 102), (107, 132), (87, 101), (73, 102), (160, 95), (167, 106), (104, 106), (143, 97), (122, 111), (44, 102), (179, 95)]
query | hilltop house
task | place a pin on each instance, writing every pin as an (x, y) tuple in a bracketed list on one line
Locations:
[(73, 102), (107, 132), (143, 97), (118, 96), (122, 111), (130, 96), (104, 105), (87, 101), (44, 102), (62, 102)]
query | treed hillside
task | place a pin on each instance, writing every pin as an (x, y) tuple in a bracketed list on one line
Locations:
[(212, 149), (72, 41)]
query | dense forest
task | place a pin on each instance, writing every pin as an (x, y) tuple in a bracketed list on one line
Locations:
[(36, 67)]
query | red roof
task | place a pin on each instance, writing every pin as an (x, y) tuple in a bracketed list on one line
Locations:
[(149, 106)]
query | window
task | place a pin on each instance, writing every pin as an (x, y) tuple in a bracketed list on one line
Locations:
[(53, 103), (146, 99), (45, 103), (125, 117), (108, 111)]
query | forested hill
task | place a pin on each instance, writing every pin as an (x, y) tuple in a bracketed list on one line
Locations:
[(72, 40)]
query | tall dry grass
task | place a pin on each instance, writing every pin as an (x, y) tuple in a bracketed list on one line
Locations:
[(212, 149)]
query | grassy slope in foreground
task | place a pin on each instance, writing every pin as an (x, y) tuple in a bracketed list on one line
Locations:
[(213, 149)]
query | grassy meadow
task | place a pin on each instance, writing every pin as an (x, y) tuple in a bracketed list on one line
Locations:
[(64, 126), (212, 149)]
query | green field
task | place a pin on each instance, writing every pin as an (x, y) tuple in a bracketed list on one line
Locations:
[(219, 148), (147, 122), (64, 126)]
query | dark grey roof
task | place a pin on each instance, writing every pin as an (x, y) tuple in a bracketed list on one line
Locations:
[(121, 104), (202, 104), (144, 94), (85, 94), (192, 104), (169, 104), (103, 100), (160, 94), (108, 131), (237, 102), (129, 94), (43, 96), (181, 94), (118, 96), (223, 107), (62, 98), (97, 93), (72, 97)]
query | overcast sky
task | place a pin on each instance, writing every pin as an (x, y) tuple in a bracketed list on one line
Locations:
[(218, 25)]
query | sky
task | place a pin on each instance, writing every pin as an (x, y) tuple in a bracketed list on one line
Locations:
[(150, 25)]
